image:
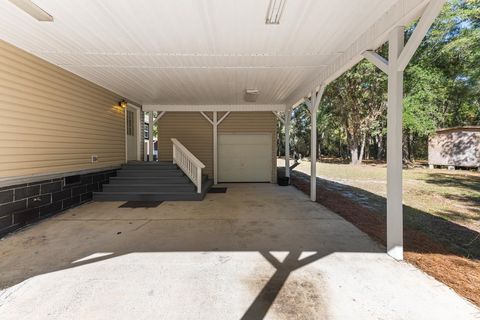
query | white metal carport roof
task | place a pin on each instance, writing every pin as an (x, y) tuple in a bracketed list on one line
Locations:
[(205, 52), (190, 55)]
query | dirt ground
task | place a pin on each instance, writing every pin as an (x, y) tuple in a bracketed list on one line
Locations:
[(445, 246)]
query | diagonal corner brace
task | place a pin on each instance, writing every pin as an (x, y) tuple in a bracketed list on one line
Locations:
[(431, 12), (379, 61)]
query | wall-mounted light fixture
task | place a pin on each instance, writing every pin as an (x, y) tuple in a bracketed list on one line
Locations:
[(274, 11), (123, 104), (33, 10)]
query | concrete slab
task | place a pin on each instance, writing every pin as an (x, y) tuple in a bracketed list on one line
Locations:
[(258, 251)]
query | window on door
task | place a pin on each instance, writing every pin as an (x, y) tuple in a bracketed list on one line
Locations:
[(130, 126)]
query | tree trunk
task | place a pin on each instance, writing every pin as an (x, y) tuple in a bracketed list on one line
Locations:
[(354, 154), (379, 140), (367, 148), (362, 148), (410, 146)]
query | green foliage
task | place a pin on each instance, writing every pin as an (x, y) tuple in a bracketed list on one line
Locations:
[(442, 89), (426, 94)]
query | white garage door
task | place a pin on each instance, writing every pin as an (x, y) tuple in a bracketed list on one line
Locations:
[(245, 157)]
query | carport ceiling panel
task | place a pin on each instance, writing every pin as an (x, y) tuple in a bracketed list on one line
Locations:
[(191, 51)]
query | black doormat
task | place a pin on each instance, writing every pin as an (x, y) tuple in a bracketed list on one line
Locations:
[(141, 204), (217, 190)]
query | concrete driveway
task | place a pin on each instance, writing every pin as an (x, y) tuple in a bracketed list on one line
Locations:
[(258, 251)]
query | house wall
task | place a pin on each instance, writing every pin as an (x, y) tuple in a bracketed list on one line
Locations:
[(52, 121), (196, 133), (26, 203), (192, 130)]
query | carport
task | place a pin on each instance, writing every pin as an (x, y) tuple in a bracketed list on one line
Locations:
[(256, 251), (224, 56)]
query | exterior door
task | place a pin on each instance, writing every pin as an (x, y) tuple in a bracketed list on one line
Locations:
[(132, 134), (245, 157)]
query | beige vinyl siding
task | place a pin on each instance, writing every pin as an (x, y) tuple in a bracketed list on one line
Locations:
[(52, 121), (192, 130), (195, 132), (253, 122)]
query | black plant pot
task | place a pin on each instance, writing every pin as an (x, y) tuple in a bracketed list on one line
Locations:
[(283, 181)]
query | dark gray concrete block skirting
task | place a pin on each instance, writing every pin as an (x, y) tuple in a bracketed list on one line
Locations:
[(26, 203)]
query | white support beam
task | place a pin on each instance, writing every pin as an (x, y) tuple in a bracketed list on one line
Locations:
[(215, 148), (431, 12), (313, 148), (288, 116), (214, 107), (313, 104), (150, 136), (379, 61), (159, 116), (215, 122), (394, 146)]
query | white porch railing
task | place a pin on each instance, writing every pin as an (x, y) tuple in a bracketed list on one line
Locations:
[(189, 164)]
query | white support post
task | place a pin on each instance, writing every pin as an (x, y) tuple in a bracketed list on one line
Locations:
[(313, 104), (313, 148), (215, 148), (288, 116), (199, 180), (399, 55), (215, 122), (394, 146), (126, 135), (150, 136)]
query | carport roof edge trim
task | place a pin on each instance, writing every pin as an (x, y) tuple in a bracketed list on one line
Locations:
[(214, 107), (402, 13)]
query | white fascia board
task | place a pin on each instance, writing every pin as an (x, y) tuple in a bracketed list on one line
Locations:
[(214, 107), (401, 13)]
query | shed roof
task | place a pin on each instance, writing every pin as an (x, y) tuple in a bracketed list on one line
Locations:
[(464, 128), (205, 52)]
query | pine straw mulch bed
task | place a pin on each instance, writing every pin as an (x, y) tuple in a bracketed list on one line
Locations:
[(430, 255)]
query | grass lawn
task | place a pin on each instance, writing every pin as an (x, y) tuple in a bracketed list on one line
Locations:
[(453, 195), (441, 215)]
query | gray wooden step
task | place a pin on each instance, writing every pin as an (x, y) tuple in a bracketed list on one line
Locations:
[(148, 163), (149, 180), (169, 166), (153, 196), (149, 173), (179, 187)]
